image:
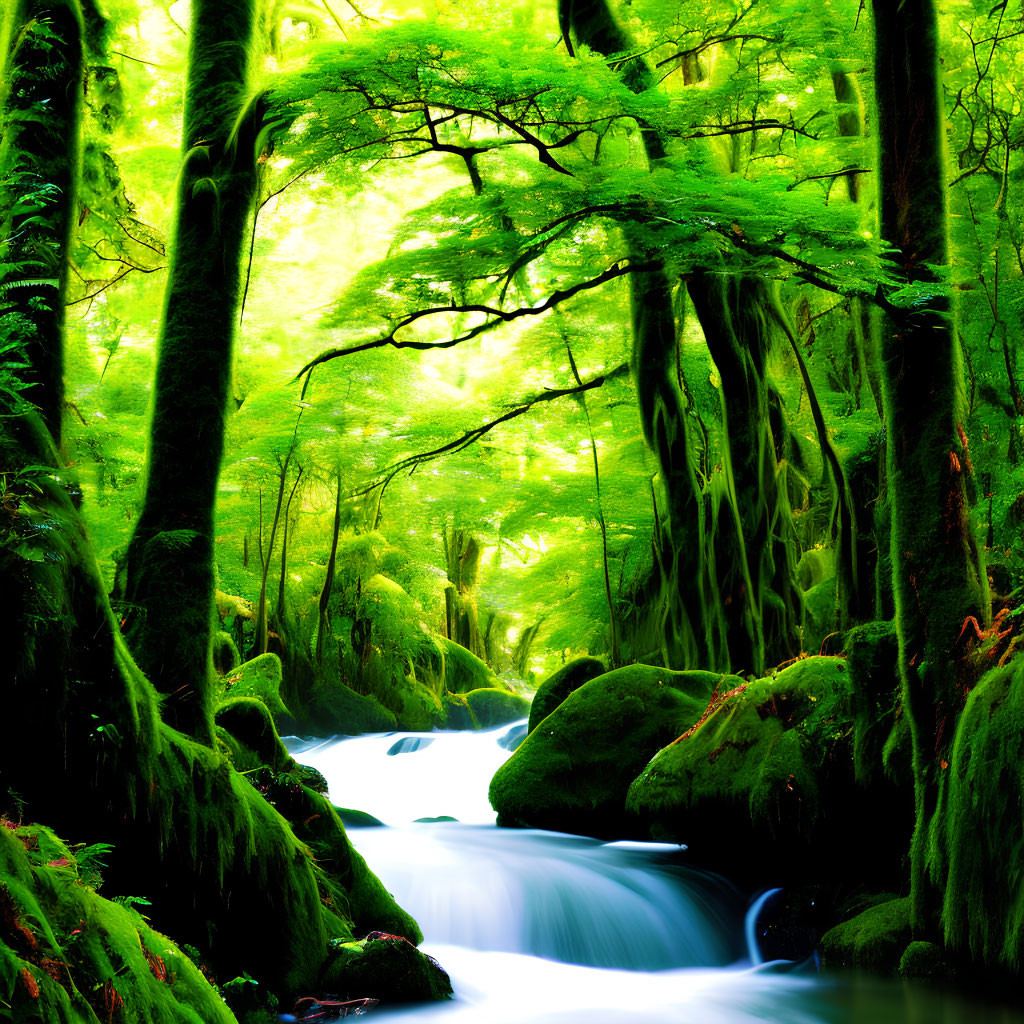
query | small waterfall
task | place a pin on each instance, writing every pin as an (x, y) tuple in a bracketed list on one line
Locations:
[(556, 896), (545, 928), (469, 884)]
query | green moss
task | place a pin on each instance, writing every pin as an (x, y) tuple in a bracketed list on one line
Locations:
[(874, 939), (259, 678), (572, 772), (820, 614), (251, 735), (815, 566), (560, 684), (336, 708), (385, 967), (458, 714), (491, 707), (925, 961), (978, 832), (350, 889), (225, 653), (463, 671), (771, 769), (352, 818), (68, 956), (872, 657)]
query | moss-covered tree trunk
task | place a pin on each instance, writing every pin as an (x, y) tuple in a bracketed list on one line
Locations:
[(462, 562), (938, 575), (753, 539), (170, 557), (40, 148), (85, 752), (692, 631)]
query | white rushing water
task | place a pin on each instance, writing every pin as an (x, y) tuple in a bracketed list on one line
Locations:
[(546, 928)]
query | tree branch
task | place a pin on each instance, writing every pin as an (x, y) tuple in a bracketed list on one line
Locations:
[(470, 436), (496, 318)]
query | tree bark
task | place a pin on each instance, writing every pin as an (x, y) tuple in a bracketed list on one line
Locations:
[(753, 540), (938, 571), (170, 557)]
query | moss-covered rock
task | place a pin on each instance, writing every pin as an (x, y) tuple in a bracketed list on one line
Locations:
[(492, 706), (385, 967), (349, 889), (572, 772), (820, 615), (69, 955), (560, 684), (259, 678), (353, 898), (770, 768), (875, 939), (336, 708), (977, 836), (926, 961), (457, 713), (463, 671), (352, 818), (246, 727), (224, 652)]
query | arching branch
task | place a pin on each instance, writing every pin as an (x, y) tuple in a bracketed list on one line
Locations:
[(385, 476), (495, 317)]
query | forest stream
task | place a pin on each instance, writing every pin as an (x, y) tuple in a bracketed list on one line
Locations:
[(549, 928)]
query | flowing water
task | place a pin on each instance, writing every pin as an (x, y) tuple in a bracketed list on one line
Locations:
[(542, 927)]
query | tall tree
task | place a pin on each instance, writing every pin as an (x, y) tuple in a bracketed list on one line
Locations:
[(938, 571), (40, 150), (169, 568)]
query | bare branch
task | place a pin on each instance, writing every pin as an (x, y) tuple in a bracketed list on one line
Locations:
[(470, 436), (496, 317)]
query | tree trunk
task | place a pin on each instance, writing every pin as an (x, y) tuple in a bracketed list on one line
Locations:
[(170, 557), (324, 617), (753, 538), (692, 632), (938, 573), (41, 95), (462, 560)]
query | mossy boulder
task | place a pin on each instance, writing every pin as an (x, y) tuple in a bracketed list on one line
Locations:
[(457, 713), (259, 678), (977, 835), (493, 706), (246, 727), (336, 708), (385, 967), (224, 652), (875, 939), (69, 955), (926, 961), (560, 684), (463, 671), (572, 772), (770, 769)]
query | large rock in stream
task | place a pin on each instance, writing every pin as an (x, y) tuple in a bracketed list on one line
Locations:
[(765, 785), (571, 773)]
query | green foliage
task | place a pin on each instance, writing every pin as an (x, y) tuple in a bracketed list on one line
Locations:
[(68, 955)]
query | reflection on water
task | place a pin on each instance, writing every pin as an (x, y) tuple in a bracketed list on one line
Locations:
[(553, 929)]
